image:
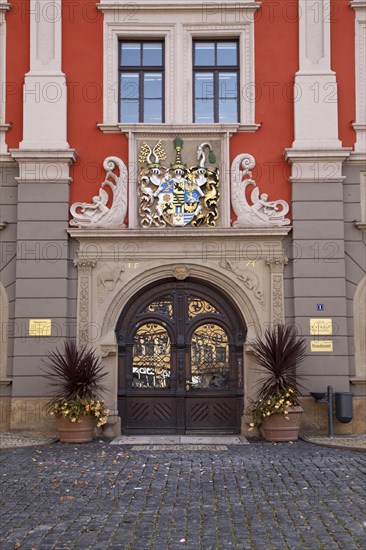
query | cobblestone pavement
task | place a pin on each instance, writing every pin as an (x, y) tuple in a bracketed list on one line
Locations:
[(257, 496)]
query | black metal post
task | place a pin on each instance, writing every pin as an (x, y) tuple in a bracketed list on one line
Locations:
[(330, 411)]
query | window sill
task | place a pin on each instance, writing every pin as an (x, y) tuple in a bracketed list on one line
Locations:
[(166, 128)]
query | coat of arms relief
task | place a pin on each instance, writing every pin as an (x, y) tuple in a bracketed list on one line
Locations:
[(173, 194), (177, 195)]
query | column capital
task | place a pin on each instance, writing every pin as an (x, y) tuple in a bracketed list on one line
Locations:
[(277, 263), (85, 265)]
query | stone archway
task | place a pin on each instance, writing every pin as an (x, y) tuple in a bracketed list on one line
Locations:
[(180, 360)]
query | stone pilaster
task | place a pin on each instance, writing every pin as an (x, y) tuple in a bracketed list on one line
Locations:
[(317, 277), (277, 265), (316, 118), (84, 314), (45, 93)]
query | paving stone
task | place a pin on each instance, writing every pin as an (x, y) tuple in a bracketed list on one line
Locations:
[(257, 496)]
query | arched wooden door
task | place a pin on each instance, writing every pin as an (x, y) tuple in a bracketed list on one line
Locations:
[(180, 361)]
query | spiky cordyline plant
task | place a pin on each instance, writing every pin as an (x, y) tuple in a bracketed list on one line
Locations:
[(280, 353), (73, 373)]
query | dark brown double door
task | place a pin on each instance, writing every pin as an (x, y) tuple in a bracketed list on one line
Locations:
[(180, 361)]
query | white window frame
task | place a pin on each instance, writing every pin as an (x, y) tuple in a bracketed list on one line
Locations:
[(178, 35)]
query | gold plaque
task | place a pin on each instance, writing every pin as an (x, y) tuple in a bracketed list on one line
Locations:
[(321, 326), (39, 327), (321, 345)]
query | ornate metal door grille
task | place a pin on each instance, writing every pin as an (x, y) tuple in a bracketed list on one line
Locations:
[(180, 360)]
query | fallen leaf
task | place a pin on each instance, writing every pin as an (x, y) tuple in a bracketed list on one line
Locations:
[(56, 480)]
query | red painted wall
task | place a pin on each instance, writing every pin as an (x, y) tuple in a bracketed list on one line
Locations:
[(342, 19), (17, 64), (82, 54), (276, 61)]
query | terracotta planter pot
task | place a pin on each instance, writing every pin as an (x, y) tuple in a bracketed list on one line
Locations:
[(81, 431), (277, 428)]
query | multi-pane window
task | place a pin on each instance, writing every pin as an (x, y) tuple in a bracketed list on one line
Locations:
[(141, 88), (216, 81)]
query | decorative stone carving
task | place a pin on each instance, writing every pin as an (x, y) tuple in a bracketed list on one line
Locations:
[(107, 350), (178, 195), (277, 264), (261, 212), (249, 279), (85, 267), (99, 214), (180, 272), (106, 282)]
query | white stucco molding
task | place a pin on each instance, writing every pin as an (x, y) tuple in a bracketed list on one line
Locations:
[(182, 232), (316, 103), (317, 165), (98, 213), (360, 55), (44, 166), (178, 24), (259, 211)]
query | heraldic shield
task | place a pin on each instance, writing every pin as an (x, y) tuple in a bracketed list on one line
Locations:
[(178, 195)]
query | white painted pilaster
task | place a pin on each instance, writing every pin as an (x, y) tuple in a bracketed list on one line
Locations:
[(316, 118), (45, 94), (360, 50)]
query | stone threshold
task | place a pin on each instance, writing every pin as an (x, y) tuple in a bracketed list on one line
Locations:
[(137, 440)]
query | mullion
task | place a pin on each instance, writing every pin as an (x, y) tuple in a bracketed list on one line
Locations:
[(216, 94), (141, 95)]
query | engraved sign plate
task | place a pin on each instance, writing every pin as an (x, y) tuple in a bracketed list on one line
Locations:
[(321, 326), (321, 345), (39, 327)]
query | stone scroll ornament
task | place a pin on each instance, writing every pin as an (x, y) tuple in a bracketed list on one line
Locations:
[(178, 195), (259, 211), (107, 210)]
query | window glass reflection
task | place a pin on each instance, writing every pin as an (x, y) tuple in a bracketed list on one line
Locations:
[(152, 54), (209, 358), (151, 357), (204, 53), (226, 53), (130, 54)]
